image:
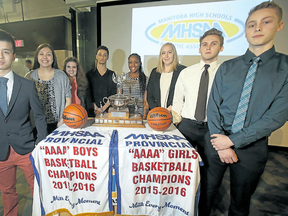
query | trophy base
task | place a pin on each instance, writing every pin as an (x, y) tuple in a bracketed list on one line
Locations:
[(118, 113), (119, 118)]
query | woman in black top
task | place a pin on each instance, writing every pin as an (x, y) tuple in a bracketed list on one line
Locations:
[(162, 80)]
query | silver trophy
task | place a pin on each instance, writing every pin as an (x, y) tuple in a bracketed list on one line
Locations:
[(132, 102), (119, 80), (119, 114)]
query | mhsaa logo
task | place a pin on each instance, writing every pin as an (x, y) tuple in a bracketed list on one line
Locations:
[(189, 31)]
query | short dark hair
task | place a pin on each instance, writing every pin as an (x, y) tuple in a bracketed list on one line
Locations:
[(5, 36), (36, 63), (267, 4), (28, 61), (102, 48), (213, 31)]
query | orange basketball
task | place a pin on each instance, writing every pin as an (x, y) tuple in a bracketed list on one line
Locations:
[(75, 116), (159, 119)]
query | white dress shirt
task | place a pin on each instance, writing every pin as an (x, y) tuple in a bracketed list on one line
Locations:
[(10, 83), (187, 87)]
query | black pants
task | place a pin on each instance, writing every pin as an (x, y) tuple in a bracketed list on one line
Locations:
[(51, 127), (244, 176), (195, 133)]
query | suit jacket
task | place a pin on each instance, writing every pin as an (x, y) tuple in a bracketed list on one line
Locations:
[(16, 129), (153, 88)]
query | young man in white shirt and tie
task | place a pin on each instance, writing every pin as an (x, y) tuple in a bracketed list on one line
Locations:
[(193, 88)]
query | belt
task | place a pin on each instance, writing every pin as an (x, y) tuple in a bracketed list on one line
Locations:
[(201, 123), (198, 123)]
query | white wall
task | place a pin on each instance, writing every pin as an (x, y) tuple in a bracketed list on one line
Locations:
[(116, 34)]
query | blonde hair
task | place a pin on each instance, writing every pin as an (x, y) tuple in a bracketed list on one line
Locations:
[(175, 62)]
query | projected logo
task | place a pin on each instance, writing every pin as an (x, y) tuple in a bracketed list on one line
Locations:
[(188, 31)]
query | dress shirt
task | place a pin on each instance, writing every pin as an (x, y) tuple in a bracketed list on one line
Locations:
[(268, 106), (187, 87), (10, 83)]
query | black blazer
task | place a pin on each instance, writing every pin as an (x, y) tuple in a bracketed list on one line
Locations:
[(153, 88), (15, 128)]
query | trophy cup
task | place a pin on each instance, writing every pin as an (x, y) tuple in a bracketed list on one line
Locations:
[(118, 101), (118, 114)]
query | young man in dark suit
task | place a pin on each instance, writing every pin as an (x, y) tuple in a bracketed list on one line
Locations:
[(17, 97), (248, 101)]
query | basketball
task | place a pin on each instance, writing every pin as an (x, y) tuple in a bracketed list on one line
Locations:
[(159, 119), (75, 116)]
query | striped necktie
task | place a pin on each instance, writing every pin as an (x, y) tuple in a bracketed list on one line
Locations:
[(3, 95), (245, 97)]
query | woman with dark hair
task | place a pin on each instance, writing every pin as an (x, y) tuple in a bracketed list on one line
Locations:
[(138, 91), (162, 80), (100, 83), (54, 90), (77, 78)]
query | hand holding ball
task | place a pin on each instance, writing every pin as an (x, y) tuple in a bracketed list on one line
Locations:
[(159, 119), (75, 116)]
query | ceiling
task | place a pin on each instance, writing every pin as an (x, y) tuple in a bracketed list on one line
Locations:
[(20, 10), (79, 3)]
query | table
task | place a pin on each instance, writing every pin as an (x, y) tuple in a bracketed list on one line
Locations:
[(155, 173)]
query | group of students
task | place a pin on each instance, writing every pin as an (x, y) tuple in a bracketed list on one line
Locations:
[(158, 91), (226, 111)]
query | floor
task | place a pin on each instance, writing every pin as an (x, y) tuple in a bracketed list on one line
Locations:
[(270, 198), (271, 195)]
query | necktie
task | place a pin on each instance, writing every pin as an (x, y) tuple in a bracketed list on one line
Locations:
[(3, 95), (202, 95), (245, 97)]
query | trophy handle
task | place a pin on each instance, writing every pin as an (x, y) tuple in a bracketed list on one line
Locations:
[(105, 99), (101, 109)]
